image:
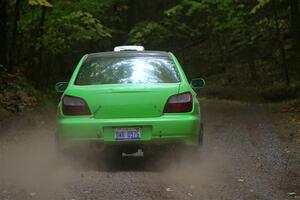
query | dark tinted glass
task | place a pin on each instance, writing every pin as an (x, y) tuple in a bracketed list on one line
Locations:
[(129, 69)]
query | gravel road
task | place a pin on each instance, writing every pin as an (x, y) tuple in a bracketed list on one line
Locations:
[(245, 156)]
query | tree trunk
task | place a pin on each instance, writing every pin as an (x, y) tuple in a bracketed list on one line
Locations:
[(3, 33), (281, 47), (14, 36), (41, 50), (252, 67), (295, 20)]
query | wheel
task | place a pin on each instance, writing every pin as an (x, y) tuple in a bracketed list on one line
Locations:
[(64, 150), (60, 150), (193, 153)]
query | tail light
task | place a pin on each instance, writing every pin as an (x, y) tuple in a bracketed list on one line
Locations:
[(74, 106), (179, 103)]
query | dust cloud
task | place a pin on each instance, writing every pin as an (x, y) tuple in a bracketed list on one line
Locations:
[(29, 164), (203, 175), (28, 161)]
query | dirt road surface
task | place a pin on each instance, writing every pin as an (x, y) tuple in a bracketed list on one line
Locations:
[(246, 155)]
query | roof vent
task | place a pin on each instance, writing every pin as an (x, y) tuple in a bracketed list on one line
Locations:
[(129, 48)]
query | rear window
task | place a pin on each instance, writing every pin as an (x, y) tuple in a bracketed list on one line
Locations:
[(129, 69)]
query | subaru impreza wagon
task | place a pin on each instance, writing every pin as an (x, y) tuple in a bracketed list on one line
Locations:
[(129, 98)]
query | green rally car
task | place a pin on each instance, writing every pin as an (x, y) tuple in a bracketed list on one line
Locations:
[(129, 98)]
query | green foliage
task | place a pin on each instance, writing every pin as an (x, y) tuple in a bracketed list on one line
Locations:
[(39, 3), (218, 15), (239, 42), (77, 27), (2, 69), (148, 33), (260, 4), (141, 32), (17, 94), (280, 91)]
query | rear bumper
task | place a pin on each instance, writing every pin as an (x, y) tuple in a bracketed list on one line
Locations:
[(165, 129)]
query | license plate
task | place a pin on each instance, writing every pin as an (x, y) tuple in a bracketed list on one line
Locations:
[(128, 133)]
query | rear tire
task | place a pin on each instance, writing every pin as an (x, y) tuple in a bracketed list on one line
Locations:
[(67, 151), (193, 153), (60, 150), (200, 136)]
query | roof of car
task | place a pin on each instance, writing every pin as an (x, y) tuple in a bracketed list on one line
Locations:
[(130, 53)]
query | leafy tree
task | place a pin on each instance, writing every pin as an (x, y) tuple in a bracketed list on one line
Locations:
[(248, 43), (77, 27), (39, 3)]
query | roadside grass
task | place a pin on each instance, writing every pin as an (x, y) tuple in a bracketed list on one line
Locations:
[(258, 94), (4, 114), (293, 108), (18, 96), (236, 93)]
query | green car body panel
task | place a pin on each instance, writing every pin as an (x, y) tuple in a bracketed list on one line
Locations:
[(130, 105)]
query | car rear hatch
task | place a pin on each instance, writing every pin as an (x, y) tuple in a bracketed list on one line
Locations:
[(127, 100)]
